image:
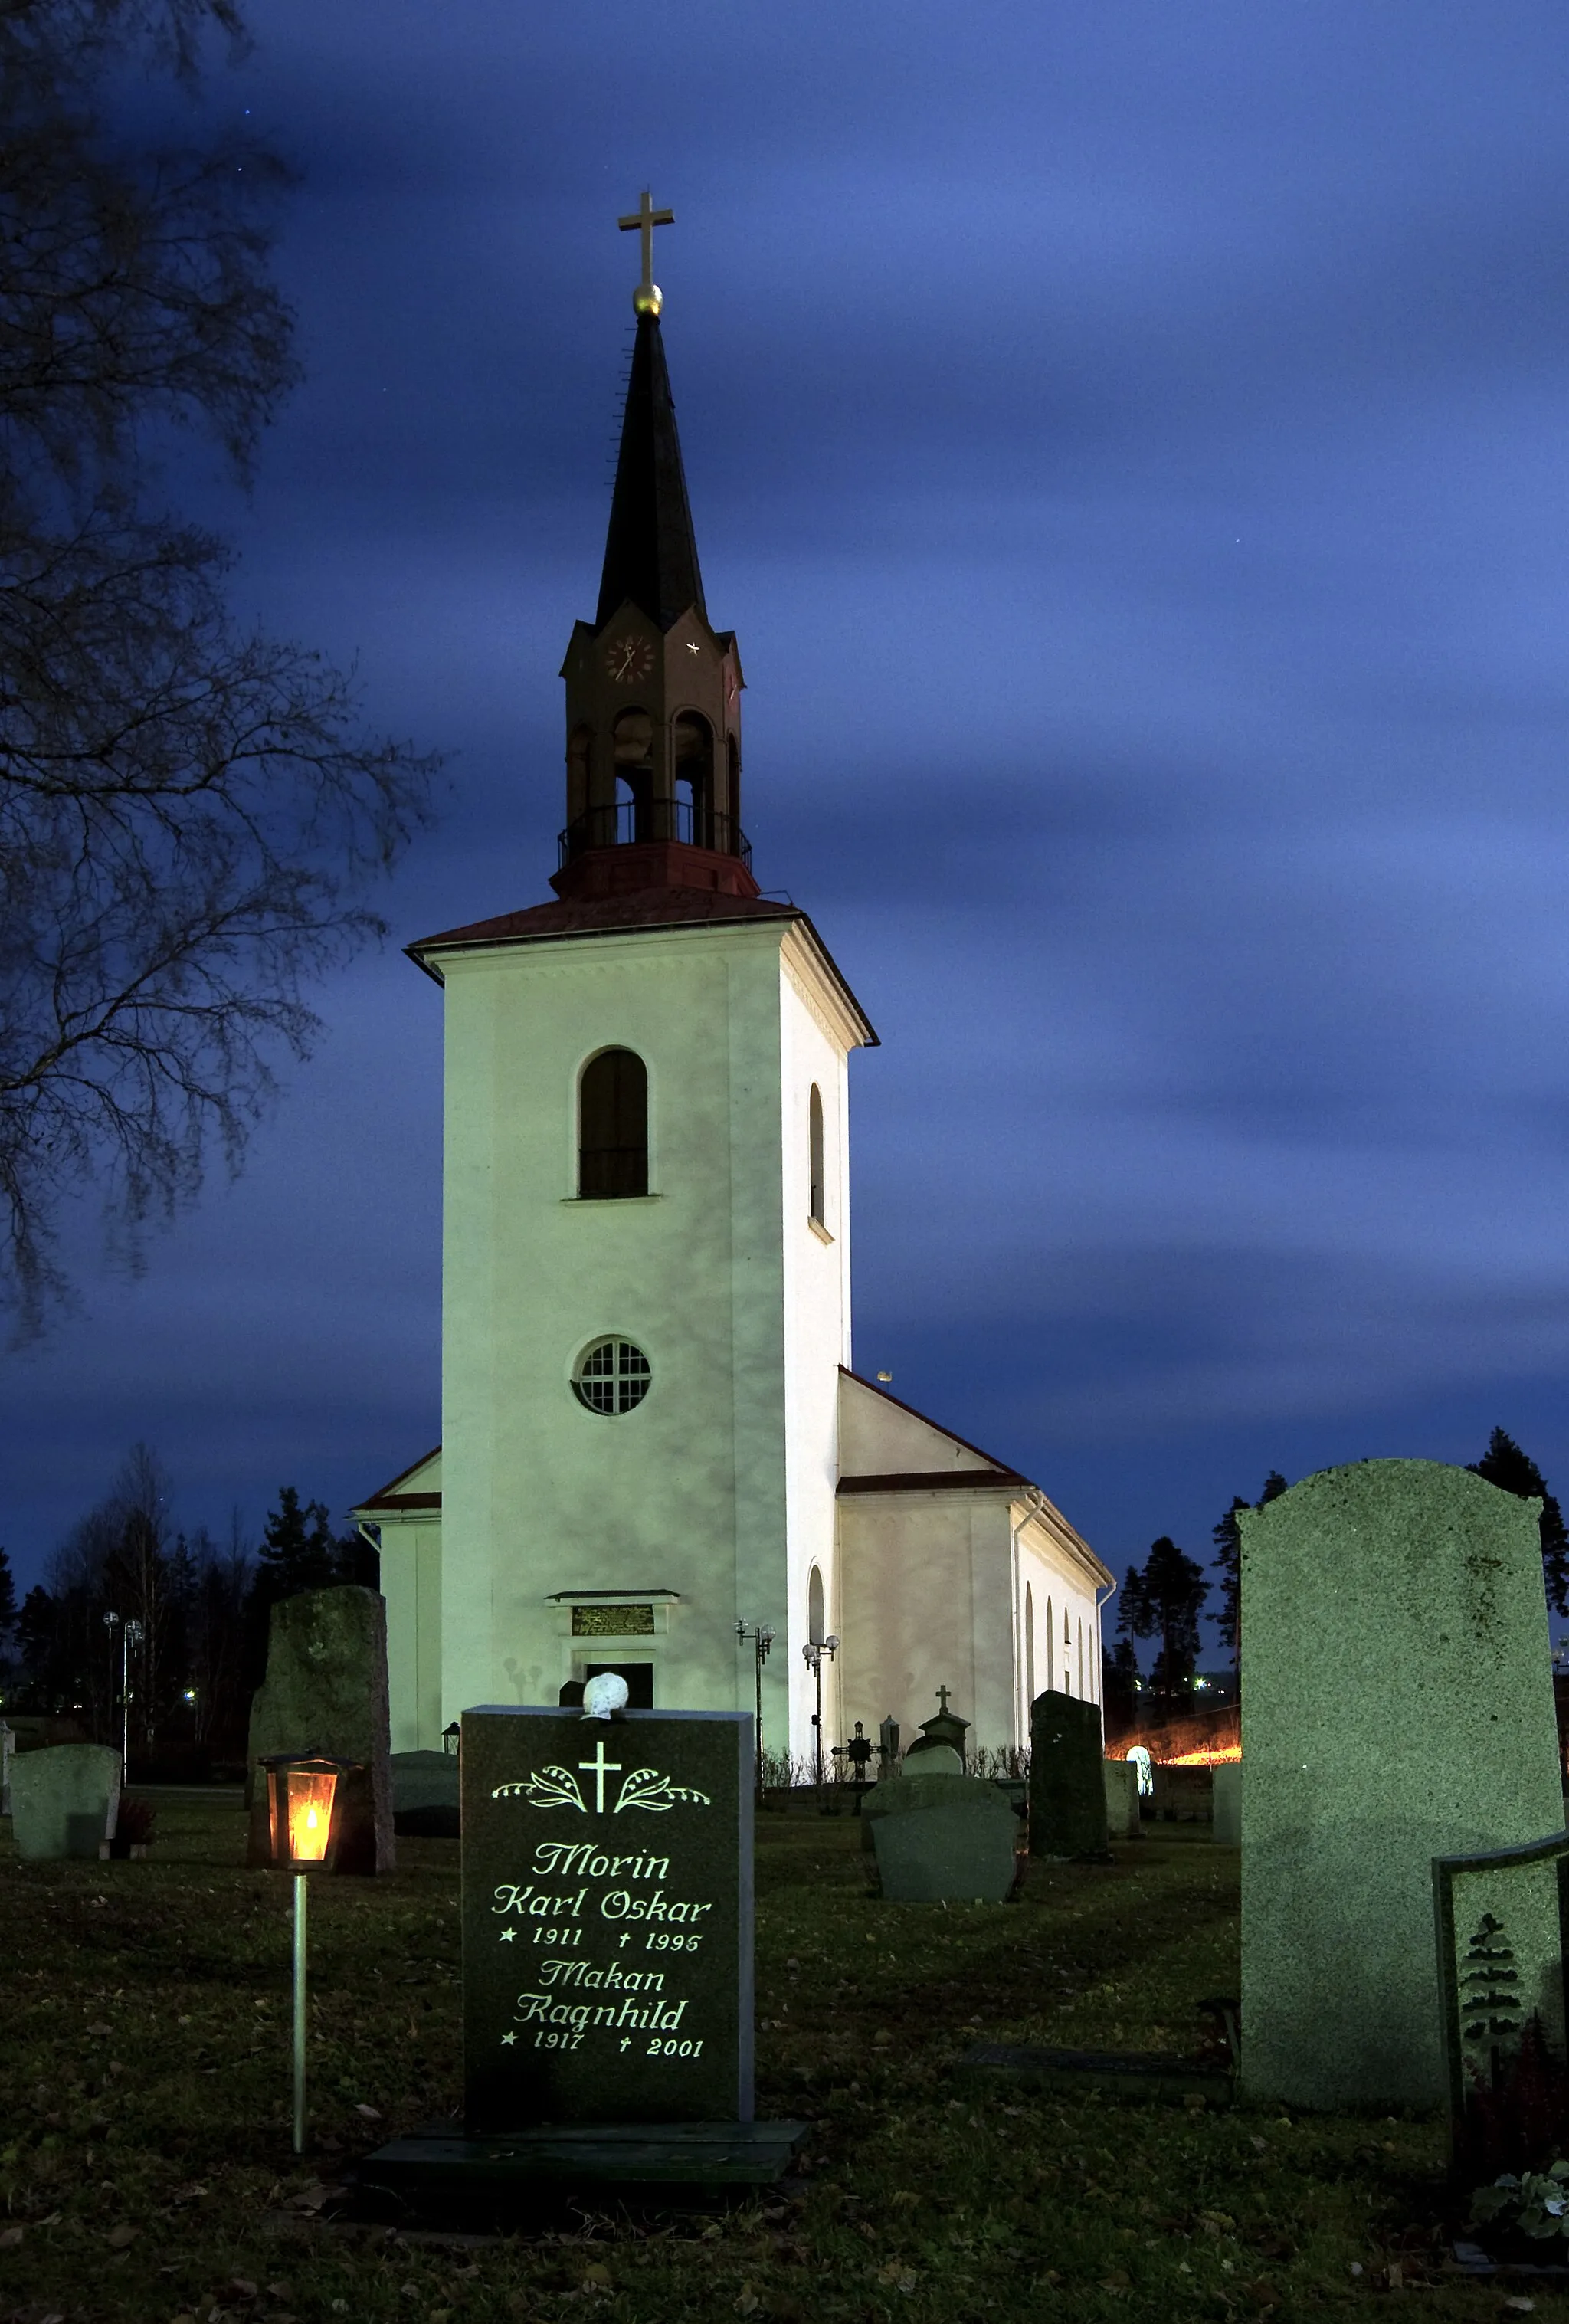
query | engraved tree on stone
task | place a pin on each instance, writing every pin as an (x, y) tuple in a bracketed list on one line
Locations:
[(1490, 2014)]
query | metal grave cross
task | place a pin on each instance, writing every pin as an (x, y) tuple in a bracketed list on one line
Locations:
[(943, 1693), (599, 1767), (644, 218)]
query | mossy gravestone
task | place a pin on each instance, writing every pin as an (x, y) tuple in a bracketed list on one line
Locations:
[(607, 1918), (325, 1691), (1397, 1706), (1067, 1786)]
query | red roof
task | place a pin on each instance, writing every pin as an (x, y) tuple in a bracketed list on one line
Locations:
[(645, 908)]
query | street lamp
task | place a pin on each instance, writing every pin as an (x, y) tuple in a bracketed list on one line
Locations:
[(763, 1640), (812, 1654), (302, 1829)]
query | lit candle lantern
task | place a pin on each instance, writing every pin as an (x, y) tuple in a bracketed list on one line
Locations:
[(301, 1797)]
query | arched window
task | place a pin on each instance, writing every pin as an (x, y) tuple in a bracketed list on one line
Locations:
[(1029, 1648), (1050, 1647), (815, 1140), (631, 744), (613, 1126), (814, 1630), (694, 757), (1081, 1657), (1068, 1676), (732, 786)]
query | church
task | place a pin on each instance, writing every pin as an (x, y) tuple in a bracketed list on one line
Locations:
[(655, 1441)]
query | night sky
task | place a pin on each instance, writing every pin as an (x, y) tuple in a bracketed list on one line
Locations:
[(1132, 446)]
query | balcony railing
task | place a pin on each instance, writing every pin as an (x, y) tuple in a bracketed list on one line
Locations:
[(627, 824)]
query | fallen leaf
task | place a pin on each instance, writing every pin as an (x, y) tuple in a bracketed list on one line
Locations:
[(10, 2238), (284, 2292), (1262, 2144), (747, 2304), (1521, 2306), (598, 2273), (371, 2113), (242, 2286), (121, 2238)]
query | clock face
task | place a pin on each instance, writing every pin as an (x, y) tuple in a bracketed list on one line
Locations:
[(629, 658)]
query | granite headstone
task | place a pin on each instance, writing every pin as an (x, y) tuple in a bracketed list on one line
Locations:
[(607, 1929), (325, 1691), (1121, 1778), (1067, 1790), (64, 1800), (961, 1848), (1397, 1707), (1226, 1811), (7, 1751)]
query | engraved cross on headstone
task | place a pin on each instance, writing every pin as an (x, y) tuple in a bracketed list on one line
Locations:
[(643, 220), (599, 1767)]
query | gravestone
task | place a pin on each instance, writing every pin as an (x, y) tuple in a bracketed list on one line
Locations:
[(943, 1731), (7, 1751), (960, 1849), (326, 1691), (1121, 1778), (1067, 1790), (1397, 1707), (1500, 1918), (65, 1801), (425, 1794), (1226, 1808), (608, 1918)]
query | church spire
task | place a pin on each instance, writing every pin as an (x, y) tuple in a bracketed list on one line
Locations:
[(650, 551), (653, 694)]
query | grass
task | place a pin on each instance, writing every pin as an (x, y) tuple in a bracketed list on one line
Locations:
[(144, 2152)]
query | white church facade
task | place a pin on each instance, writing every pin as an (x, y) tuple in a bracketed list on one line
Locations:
[(652, 1433)]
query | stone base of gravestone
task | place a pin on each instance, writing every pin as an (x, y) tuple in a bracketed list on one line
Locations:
[(1121, 1778), (1397, 1706), (64, 1801), (325, 1691), (1067, 1790), (425, 1788), (1227, 1804), (960, 1851)]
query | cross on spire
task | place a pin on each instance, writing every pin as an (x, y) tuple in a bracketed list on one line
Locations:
[(647, 297)]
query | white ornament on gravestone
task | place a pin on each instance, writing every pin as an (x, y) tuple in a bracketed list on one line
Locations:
[(605, 1695)]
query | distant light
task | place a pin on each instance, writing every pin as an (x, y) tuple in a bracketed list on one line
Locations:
[(190, 1694)]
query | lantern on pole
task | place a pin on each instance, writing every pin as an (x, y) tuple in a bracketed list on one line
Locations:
[(302, 1825)]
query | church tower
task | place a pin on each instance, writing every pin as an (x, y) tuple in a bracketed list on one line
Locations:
[(646, 1281)]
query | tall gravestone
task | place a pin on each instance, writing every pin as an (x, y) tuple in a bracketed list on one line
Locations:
[(607, 1925), (1067, 1789), (1397, 1707), (325, 1691)]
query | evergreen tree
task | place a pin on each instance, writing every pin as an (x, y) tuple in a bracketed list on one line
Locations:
[(7, 1600), (1228, 1541), (1119, 1685), (1505, 1465), (298, 1549), (1165, 1600)]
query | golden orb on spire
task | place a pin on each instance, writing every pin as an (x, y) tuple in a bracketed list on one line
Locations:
[(648, 297)]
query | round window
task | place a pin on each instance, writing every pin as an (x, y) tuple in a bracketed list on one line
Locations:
[(612, 1375)]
